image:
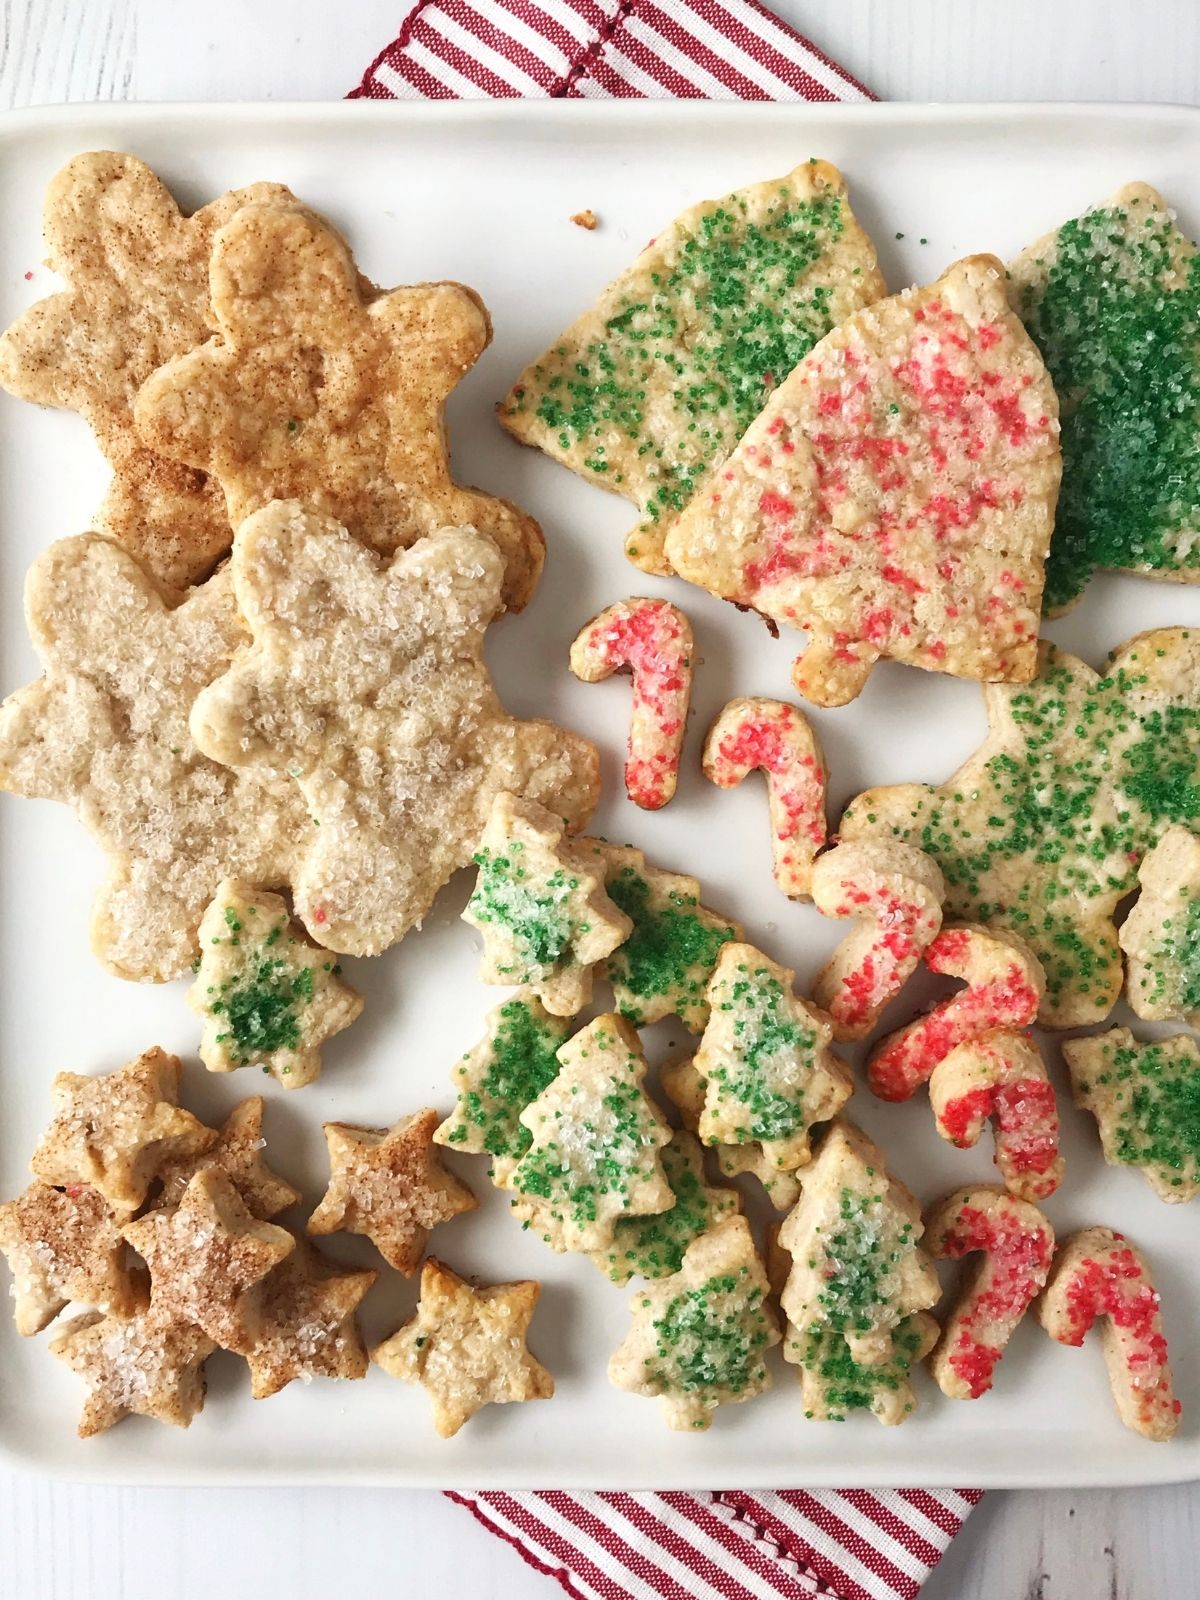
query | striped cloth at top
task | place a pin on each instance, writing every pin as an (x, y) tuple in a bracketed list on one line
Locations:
[(849, 1544)]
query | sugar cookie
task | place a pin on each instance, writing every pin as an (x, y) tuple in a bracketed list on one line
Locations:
[(1161, 935), (1002, 1076)]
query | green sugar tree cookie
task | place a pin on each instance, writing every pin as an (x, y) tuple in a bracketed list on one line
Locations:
[(833, 1383), (270, 998), (539, 903), (1161, 935), (1043, 828), (685, 1089)]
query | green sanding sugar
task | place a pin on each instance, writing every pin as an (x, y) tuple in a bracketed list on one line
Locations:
[(262, 1006), (536, 913), (845, 1384), (772, 1060), (653, 1246), (671, 953), (710, 1340), (1175, 960), (860, 1254)]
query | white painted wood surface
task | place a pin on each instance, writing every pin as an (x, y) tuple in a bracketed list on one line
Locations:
[(63, 1543)]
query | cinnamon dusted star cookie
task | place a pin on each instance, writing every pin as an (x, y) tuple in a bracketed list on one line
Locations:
[(685, 1089), (539, 903), (118, 1130), (1042, 829), (367, 681), (833, 1383), (105, 730), (146, 1365), (238, 1153), (307, 1327), (466, 1346), (319, 388), (389, 1185), (269, 997), (1160, 937), (594, 1156), (699, 1337), (64, 1245), (207, 1258), (136, 269)]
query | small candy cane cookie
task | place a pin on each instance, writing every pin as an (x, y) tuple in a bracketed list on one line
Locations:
[(833, 1383), (64, 1245), (1017, 1246), (1161, 935), (857, 1265), (651, 639), (769, 736), (594, 1156), (685, 1089), (1005, 983), (769, 1073), (699, 1338), (896, 893), (1099, 1273), (540, 904), (1144, 1098), (1002, 1076)]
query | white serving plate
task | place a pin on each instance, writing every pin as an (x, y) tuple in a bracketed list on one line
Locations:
[(482, 193)]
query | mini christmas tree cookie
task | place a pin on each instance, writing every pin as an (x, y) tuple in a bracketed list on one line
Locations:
[(389, 1184), (1145, 1097), (662, 969), (699, 1338), (1161, 935), (895, 495), (833, 1383), (769, 1074), (596, 1141), (647, 393), (539, 903), (685, 1089), (268, 995), (1041, 831), (854, 1238), (117, 1131), (653, 1247), (307, 1327), (466, 1346), (64, 1245), (1002, 1076), (238, 1153), (1112, 299)]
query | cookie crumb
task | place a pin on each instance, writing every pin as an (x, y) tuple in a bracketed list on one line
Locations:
[(586, 219)]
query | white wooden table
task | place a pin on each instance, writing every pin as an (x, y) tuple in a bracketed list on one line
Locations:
[(58, 1542)]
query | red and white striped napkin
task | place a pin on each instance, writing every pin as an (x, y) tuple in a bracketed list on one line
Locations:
[(848, 1544)]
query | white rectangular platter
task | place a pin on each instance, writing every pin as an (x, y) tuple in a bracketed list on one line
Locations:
[(482, 194)]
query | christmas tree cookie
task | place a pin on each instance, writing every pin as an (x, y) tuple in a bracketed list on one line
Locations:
[(685, 1089), (1161, 935), (653, 1247)]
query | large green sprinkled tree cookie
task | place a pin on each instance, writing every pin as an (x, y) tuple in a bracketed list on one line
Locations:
[(1112, 299)]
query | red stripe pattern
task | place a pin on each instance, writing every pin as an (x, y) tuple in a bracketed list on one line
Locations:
[(850, 1544)]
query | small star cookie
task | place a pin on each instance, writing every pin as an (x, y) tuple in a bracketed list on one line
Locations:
[(769, 1073), (64, 1245), (238, 1153), (389, 1185), (148, 1365), (539, 903), (1042, 829), (367, 681), (466, 1346), (269, 997), (136, 270), (105, 730), (307, 1327), (596, 1141), (117, 1131), (699, 1337), (1161, 935), (319, 389), (207, 1258), (685, 1089)]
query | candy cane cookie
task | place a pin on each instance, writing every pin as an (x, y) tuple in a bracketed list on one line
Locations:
[(1015, 1243), (651, 639), (754, 734), (1099, 1273), (896, 892), (1002, 1076), (1005, 983)]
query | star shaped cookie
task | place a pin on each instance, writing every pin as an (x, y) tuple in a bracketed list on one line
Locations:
[(117, 1131), (466, 1346), (539, 903), (64, 1245), (389, 1185), (238, 1153), (105, 730), (367, 681), (307, 1326), (136, 269), (319, 389), (148, 1365), (207, 1257), (269, 997), (1043, 828)]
